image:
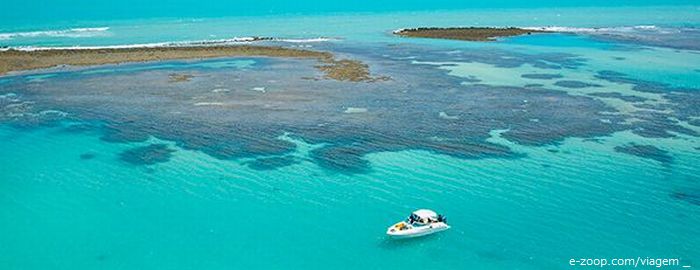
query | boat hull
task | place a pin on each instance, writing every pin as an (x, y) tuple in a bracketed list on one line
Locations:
[(417, 231)]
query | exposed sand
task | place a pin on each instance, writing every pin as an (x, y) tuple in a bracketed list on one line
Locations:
[(465, 33), (16, 60)]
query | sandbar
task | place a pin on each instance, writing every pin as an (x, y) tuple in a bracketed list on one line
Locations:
[(21, 60)]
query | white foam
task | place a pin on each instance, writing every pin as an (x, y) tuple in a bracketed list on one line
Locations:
[(11, 97), (214, 42), (187, 43), (258, 89), (446, 116), (304, 40), (71, 33), (646, 27), (355, 110), (209, 104), (564, 29), (53, 112), (592, 29)]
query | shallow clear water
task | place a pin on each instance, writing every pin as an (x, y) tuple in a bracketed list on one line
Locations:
[(531, 171)]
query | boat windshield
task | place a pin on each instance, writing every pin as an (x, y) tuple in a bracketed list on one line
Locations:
[(416, 220)]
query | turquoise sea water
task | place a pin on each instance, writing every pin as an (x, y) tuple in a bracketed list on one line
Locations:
[(31, 12), (264, 169)]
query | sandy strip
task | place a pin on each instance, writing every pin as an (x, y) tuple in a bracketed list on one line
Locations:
[(18, 60)]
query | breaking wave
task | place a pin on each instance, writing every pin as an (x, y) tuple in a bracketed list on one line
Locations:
[(71, 33), (189, 43), (595, 29), (687, 38)]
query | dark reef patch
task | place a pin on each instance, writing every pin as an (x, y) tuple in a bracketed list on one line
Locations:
[(645, 151), (121, 133), (638, 85), (619, 96), (87, 156), (604, 74), (575, 84), (659, 121), (469, 150), (79, 127), (496, 57), (595, 140), (551, 126), (685, 105), (694, 122), (692, 198), (344, 159), (147, 155), (101, 257), (542, 76), (271, 163), (656, 124)]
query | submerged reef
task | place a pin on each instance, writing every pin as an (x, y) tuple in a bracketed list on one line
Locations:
[(542, 76), (660, 120), (87, 156), (690, 197), (575, 84), (465, 33), (645, 151), (271, 163), (147, 155), (616, 95), (423, 107)]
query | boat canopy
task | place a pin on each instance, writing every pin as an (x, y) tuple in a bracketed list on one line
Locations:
[(425, 214)]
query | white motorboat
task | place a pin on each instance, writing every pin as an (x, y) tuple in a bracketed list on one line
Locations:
[(421, 222)]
